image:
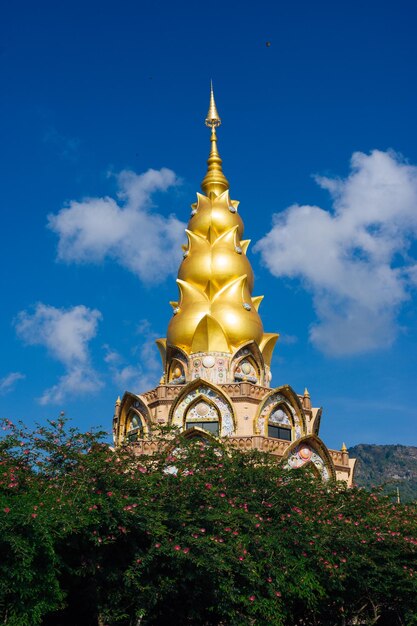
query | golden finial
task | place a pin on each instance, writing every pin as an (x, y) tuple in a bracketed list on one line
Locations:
[(343, 448), (118, 401), (214, 182), (213, 118), (306, 400)]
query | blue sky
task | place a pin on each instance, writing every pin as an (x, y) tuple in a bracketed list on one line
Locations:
[(103, 147)]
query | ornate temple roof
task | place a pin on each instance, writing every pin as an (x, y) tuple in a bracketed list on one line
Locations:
[(216, 311)]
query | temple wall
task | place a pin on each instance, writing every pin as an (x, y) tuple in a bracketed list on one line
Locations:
[(248, 407)]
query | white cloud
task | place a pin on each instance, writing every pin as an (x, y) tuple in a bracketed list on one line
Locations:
[(79, 380), (147, 370), (66, 334), (125, 229), (287, 340), (354, 259), (111, 357), (127, 377), (7, 383)]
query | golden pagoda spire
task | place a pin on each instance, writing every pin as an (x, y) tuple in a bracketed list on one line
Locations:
[(216, 314), (214, 182)]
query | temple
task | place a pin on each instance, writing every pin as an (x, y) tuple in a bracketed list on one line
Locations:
[(216, 356)]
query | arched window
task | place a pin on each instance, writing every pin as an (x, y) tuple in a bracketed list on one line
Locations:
[(176, 373), (279, 423), (203, 415), (246, 370), (135, 429)]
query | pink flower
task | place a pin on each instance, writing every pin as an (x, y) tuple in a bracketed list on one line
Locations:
[(157, 545), (6, 509), (222, 495), (34, 515), (109, 493), (177, 548), (252, 598), (186, 550), (278, 594)]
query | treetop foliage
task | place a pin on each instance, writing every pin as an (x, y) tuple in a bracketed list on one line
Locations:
[(197, 534)]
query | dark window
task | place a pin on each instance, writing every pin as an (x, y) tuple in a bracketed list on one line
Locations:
[(278, 432), (211, 427), (134, 434)]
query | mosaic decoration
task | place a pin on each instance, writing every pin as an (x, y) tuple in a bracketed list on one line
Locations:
[(211, 367), (208, 361), (245, 371), (202, 410), (279, 417), (224, 408), (178, 377), (274, 415), (242, 352), (303, 454), (134, 422), (142, 409)]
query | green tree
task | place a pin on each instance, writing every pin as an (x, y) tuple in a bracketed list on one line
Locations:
[(197, 534)]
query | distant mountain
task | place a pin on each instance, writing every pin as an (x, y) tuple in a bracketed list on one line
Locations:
[(392, 466)]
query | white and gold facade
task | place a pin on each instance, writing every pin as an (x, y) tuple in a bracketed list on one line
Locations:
[(216, 357)]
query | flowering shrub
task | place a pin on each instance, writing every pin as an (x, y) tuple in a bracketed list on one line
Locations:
[(195, 535)]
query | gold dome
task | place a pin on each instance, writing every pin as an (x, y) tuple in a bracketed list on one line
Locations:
[(216, 311)]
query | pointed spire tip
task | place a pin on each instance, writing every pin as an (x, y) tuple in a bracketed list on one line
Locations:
[(214, 182), (213, 119)]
